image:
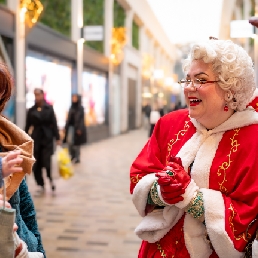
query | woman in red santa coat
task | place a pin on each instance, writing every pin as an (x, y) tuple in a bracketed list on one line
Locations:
[(195, 182)]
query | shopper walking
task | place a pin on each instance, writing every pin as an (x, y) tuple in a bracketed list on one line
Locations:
[(146, 110), (154, 117), (75, 129), (41, 120)]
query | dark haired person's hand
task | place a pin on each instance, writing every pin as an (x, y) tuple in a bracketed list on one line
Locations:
[(254, 21), (2, 204), (11, 163)]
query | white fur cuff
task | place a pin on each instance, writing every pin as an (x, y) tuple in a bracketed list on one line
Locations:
[(190, 193), (157, 224), (141, 191)]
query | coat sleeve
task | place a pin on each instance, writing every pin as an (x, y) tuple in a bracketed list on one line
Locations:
[(148, 161), (82, 124), (55, 127), (28, 214), (28, 122)]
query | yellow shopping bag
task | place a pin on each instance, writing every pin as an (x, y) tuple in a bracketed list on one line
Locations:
[(64, 163)]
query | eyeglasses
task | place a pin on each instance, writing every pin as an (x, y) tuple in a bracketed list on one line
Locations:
[(197, 83)]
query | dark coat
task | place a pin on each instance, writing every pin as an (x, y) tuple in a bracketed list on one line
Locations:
[(44, 127), (25, 219), (76, 119)]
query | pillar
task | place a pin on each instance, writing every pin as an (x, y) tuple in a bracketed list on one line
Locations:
[(108, 25), (19, 62), (124, 72), (76, 26)]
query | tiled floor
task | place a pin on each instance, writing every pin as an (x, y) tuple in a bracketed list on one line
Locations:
[(91, 215)]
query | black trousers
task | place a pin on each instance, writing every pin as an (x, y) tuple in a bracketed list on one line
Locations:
[(151, 129), (43, 160), (75, 151)]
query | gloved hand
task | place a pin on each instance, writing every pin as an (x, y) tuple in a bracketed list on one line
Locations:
[(173, 181), (171, 192)]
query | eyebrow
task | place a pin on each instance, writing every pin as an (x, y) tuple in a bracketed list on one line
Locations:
[(197, 74)]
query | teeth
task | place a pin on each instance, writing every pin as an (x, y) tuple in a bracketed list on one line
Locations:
[(195, 100)]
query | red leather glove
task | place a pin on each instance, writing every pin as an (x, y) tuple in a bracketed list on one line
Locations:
[(172, 187), (170, 191)]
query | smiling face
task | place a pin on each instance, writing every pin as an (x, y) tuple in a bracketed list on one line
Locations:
[(206, 104)]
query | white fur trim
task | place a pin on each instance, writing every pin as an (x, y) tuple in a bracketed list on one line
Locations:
[(195, 238), (215, 223), (158, 223), (190, 193), (203, 160), (188, 152), (141, 191), (201, 149), (255, 249)]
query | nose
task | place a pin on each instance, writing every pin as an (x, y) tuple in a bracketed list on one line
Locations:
[(190, 87)]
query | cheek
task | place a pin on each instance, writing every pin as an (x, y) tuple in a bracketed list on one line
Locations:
[(212, 100), (186, 94)]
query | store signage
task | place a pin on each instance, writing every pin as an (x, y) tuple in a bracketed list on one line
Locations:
[(93, 33), (241, 29)]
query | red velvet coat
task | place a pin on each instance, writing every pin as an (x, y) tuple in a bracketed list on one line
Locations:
[(225, 167)]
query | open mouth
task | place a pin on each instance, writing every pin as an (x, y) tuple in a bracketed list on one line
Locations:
[(194, 101)]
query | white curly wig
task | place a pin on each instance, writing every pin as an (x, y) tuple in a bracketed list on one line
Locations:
[(232, 66)]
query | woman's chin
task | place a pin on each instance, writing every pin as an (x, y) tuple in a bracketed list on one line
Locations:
[(193, 112)]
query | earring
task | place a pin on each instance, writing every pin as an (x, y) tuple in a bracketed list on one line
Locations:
[(226, 107)]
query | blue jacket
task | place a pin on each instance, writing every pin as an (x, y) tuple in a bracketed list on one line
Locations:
[(26, 220)]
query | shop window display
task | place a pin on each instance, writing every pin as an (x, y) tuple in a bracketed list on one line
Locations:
[(55, 79), (94, 97)]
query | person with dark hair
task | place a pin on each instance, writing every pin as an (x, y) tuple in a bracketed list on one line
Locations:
[(16, 160), (75, 129), (41, 120)]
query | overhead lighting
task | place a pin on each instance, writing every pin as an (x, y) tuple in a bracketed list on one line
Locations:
[(146, 95), (158, 74)]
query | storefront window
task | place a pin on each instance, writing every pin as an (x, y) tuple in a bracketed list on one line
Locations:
[(55, 79), (94, 97)]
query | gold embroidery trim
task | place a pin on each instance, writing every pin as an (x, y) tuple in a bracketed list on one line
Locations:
[(136, 179), (162, 252), (242, 235), (225, 165), (173, 141)]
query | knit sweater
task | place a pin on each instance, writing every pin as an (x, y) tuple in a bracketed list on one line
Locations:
[(26, 221)]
